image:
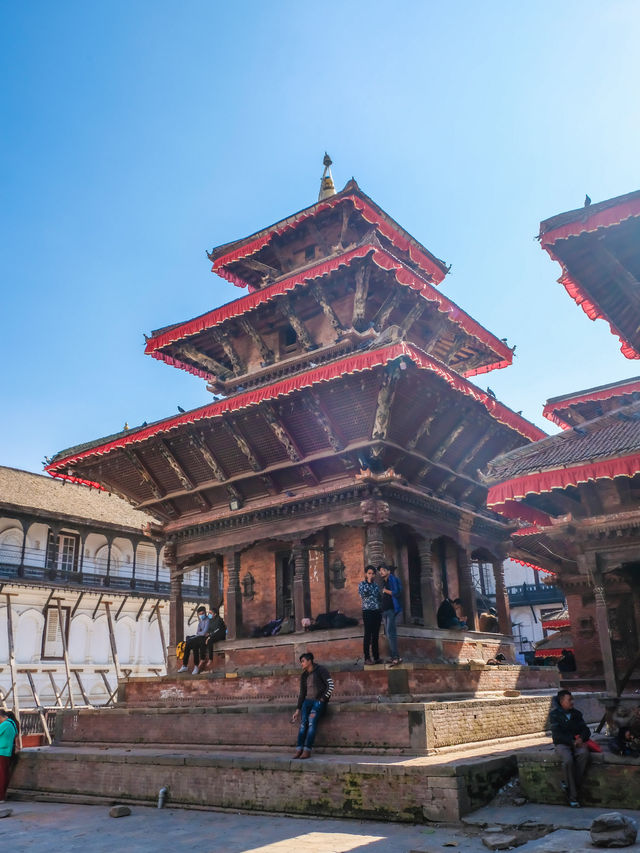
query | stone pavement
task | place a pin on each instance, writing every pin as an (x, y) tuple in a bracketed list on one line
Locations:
[(46, 826)]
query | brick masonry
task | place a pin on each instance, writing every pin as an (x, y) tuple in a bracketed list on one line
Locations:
[(611, 782), (380, 791)]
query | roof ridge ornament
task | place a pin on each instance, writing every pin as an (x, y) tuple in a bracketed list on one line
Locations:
[(327, 187)]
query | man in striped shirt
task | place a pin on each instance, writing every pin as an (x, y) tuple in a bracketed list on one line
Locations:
[(316, 687)]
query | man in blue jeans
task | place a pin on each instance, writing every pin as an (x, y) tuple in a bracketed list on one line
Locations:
[(316, 687), (391, 609)]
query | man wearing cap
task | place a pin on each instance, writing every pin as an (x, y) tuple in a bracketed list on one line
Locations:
[(197, 643)]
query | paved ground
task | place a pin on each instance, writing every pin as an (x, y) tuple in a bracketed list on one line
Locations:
[(44, 826)]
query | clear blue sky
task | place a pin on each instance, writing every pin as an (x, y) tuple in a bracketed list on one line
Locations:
[(137, 135)]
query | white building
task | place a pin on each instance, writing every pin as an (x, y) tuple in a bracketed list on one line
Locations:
[(87, 562)]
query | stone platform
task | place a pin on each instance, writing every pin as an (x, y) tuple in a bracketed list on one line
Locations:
[(611, 782), (413, 790)]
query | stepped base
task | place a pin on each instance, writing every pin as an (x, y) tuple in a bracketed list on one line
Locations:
[(611, 782), (413, 790)]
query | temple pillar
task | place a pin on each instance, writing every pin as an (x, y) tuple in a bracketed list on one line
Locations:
[(502, 599), (604, 634), (176, 604), (467, 589), (233, 603), (374, 513), (300, 582), (427, 588)]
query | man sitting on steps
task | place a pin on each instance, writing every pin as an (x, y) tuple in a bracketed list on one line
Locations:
[(197, 642), (316, 687), (570, 735)]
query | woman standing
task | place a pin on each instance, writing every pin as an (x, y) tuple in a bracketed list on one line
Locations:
[(371, 597), (8, 735)]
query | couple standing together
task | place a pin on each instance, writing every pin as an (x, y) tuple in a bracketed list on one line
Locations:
[(378, 603)]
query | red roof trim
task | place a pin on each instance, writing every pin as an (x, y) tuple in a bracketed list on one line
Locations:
[(510, 493), (382, 258), (351, 364), (587, 222), (551, 410), (552, 653), (369, 213), (532, 566), (556, 624)]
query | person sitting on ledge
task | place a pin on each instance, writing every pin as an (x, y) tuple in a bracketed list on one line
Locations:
[(488, 621), (316, 687), (447, 616), (217, 632), (197, 642), (570, 735)]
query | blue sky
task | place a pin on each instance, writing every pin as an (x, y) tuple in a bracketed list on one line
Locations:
[(136, 135)]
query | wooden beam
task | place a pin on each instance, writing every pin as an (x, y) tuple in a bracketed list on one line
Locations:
[(316, 410), (216, 368), (266, 354), (233, 431), (285, 304), (423, 429), (198, 442), (617, 270), (145, 474), (414, 314), (383, 407), (475, 449), (457, 342), (449, 440), (222, 337), (440, 323), (281, 433), (363, 274), (167, 454), (346, 214), (65, 651), (384, 312), (269, 272), (318, 294)]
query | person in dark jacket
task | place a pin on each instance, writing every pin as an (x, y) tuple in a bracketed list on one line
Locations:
[(217, 631), (316, 687), (570, 735), (447, 616), (196, 643)]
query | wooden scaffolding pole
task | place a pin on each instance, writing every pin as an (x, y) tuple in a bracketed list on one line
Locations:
[(65, 652), (36, 699), (112, 640), (12, 659)]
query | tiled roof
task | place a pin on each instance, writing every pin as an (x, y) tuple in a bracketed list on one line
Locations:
[(616, 433), (25, 490)]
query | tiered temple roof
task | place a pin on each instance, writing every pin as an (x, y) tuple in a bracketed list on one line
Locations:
[(570, 410)]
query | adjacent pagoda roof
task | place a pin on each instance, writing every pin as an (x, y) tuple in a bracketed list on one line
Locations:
[(553, 645), (557, 620), (245, 262), (302, 431), (598, 247), (602, 449), (570, 410)]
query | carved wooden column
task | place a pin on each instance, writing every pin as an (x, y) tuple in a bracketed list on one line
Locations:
[(502, 599), (604, 634), (374, 513), (467, 589), (176, 605), (427, 587), (233, 603), (300, 582)]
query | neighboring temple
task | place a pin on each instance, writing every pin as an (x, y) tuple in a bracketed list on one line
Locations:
[(579, 491), (344, 430)]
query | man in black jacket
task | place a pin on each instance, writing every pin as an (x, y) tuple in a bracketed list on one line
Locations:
[(570, 734), (316, 687)]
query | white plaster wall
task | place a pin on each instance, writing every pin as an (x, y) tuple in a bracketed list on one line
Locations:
[(28, 636), (36, 550), (11, 544), (79, 639)]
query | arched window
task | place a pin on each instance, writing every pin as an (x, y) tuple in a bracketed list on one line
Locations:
[(11, 546)]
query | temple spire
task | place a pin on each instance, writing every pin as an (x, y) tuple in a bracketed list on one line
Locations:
[(327, 187)]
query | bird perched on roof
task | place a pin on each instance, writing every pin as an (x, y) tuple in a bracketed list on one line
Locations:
[(587, 201), (491, 392), (181, 410)]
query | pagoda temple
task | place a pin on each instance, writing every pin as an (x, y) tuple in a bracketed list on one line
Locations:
[(578, 493), (344, 429)]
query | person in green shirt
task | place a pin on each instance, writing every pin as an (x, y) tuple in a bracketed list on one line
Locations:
[(8, 735)]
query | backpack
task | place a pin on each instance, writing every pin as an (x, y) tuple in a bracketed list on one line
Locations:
[(180, 649)]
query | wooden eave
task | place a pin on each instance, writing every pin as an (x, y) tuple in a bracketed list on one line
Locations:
[(599, 250), (323, 216), (276, 445), (202, 345)]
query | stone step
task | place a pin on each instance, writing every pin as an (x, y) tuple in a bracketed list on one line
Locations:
[(414, 790), (369, 727), (281, 684), (611, 781)]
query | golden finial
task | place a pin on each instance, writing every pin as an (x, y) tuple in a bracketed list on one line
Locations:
[(126, 426), (327, 187)]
